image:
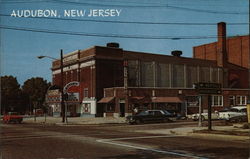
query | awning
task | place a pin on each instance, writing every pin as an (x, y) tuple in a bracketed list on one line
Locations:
[(138, 99), (106, 100), (166, 100)]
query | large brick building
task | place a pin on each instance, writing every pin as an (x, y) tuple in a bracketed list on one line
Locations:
[(113, 81)]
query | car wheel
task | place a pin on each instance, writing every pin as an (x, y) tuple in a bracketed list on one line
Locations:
[(239, 120), (137, 121), (166, 120)]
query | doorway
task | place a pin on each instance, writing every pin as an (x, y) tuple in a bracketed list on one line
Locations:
[(122, 109)]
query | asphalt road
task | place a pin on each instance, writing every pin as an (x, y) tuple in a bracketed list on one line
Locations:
[(118, 141)]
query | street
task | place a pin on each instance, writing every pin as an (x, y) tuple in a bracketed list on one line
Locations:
[(37, 141)]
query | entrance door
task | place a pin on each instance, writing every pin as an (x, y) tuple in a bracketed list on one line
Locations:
[(122, 110)]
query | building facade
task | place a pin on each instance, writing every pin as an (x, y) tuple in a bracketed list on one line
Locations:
[(113, 81)]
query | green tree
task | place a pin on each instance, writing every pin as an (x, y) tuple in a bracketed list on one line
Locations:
[(10, 94), (35, 90)]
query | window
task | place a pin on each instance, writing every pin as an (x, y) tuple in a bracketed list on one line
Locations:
[(193, 101), (110, 108), (192, 76), (232, 100), (217, 100), (163, 73), (178, 76), (86, 92), (241, 100)]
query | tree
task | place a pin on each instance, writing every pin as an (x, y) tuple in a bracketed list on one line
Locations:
[(35, 90), (10, 94)]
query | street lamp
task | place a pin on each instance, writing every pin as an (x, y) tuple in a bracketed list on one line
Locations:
[(61, 88)]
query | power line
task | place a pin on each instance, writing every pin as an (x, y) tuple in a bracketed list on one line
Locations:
[(137, 6), (30, 1), (104, 35), (123, 22)]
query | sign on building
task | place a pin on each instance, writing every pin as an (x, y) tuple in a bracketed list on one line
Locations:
[(208, 88)]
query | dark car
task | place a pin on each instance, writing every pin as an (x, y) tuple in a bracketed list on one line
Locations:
[(149, 116)]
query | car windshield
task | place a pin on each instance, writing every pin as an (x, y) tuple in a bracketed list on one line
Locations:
[(234, 110), (243, 110), (166, 112), (143, 113)]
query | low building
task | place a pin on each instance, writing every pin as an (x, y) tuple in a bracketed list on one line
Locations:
[(114, 82)]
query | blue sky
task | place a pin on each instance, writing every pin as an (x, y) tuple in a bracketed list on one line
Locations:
[(19, 49)]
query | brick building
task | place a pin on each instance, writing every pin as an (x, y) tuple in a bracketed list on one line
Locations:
[(113, 81)]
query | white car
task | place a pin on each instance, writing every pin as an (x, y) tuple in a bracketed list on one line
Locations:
[(204, 116), (232, 112)]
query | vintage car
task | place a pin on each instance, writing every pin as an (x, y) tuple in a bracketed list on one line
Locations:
[(232, 112), (204, 116), (150, 116), (13, 117)]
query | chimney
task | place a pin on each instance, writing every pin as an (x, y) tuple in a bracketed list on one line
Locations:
[(176, 53), (221, 44), (113, 45)]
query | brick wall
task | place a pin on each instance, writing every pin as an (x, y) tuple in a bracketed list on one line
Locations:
[(237, 50)]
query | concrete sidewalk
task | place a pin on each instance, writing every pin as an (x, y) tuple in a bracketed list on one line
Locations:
[(234, 132), (75, 120)]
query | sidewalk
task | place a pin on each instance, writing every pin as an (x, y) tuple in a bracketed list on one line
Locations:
[(75, 120), (234, 132)]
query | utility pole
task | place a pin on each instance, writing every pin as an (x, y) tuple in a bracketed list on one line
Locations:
[(61, 82), (209, 113), (61, 88), (125, 76)]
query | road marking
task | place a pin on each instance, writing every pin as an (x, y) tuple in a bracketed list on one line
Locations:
[(141, 137), (111, 141)]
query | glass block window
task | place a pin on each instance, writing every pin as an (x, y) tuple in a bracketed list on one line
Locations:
[(163, 72), (214, 74), (192, 76), (133, 69), (204, 74), (178, 75), (147, 74)]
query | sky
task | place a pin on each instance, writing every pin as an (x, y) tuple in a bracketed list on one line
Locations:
[(153, 26)]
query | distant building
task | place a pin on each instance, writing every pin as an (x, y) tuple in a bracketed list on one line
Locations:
[(113, 81)]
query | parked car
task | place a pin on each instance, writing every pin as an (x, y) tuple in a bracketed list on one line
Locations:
[(232, 112), (150, 116), (12, 117), (204, 116)]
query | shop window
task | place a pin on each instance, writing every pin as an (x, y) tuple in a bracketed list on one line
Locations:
[(192, 101), (110, 108), (217, 100), (86, 108), (241, 100)]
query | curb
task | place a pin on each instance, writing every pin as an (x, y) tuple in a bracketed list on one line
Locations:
[(218, 136)]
